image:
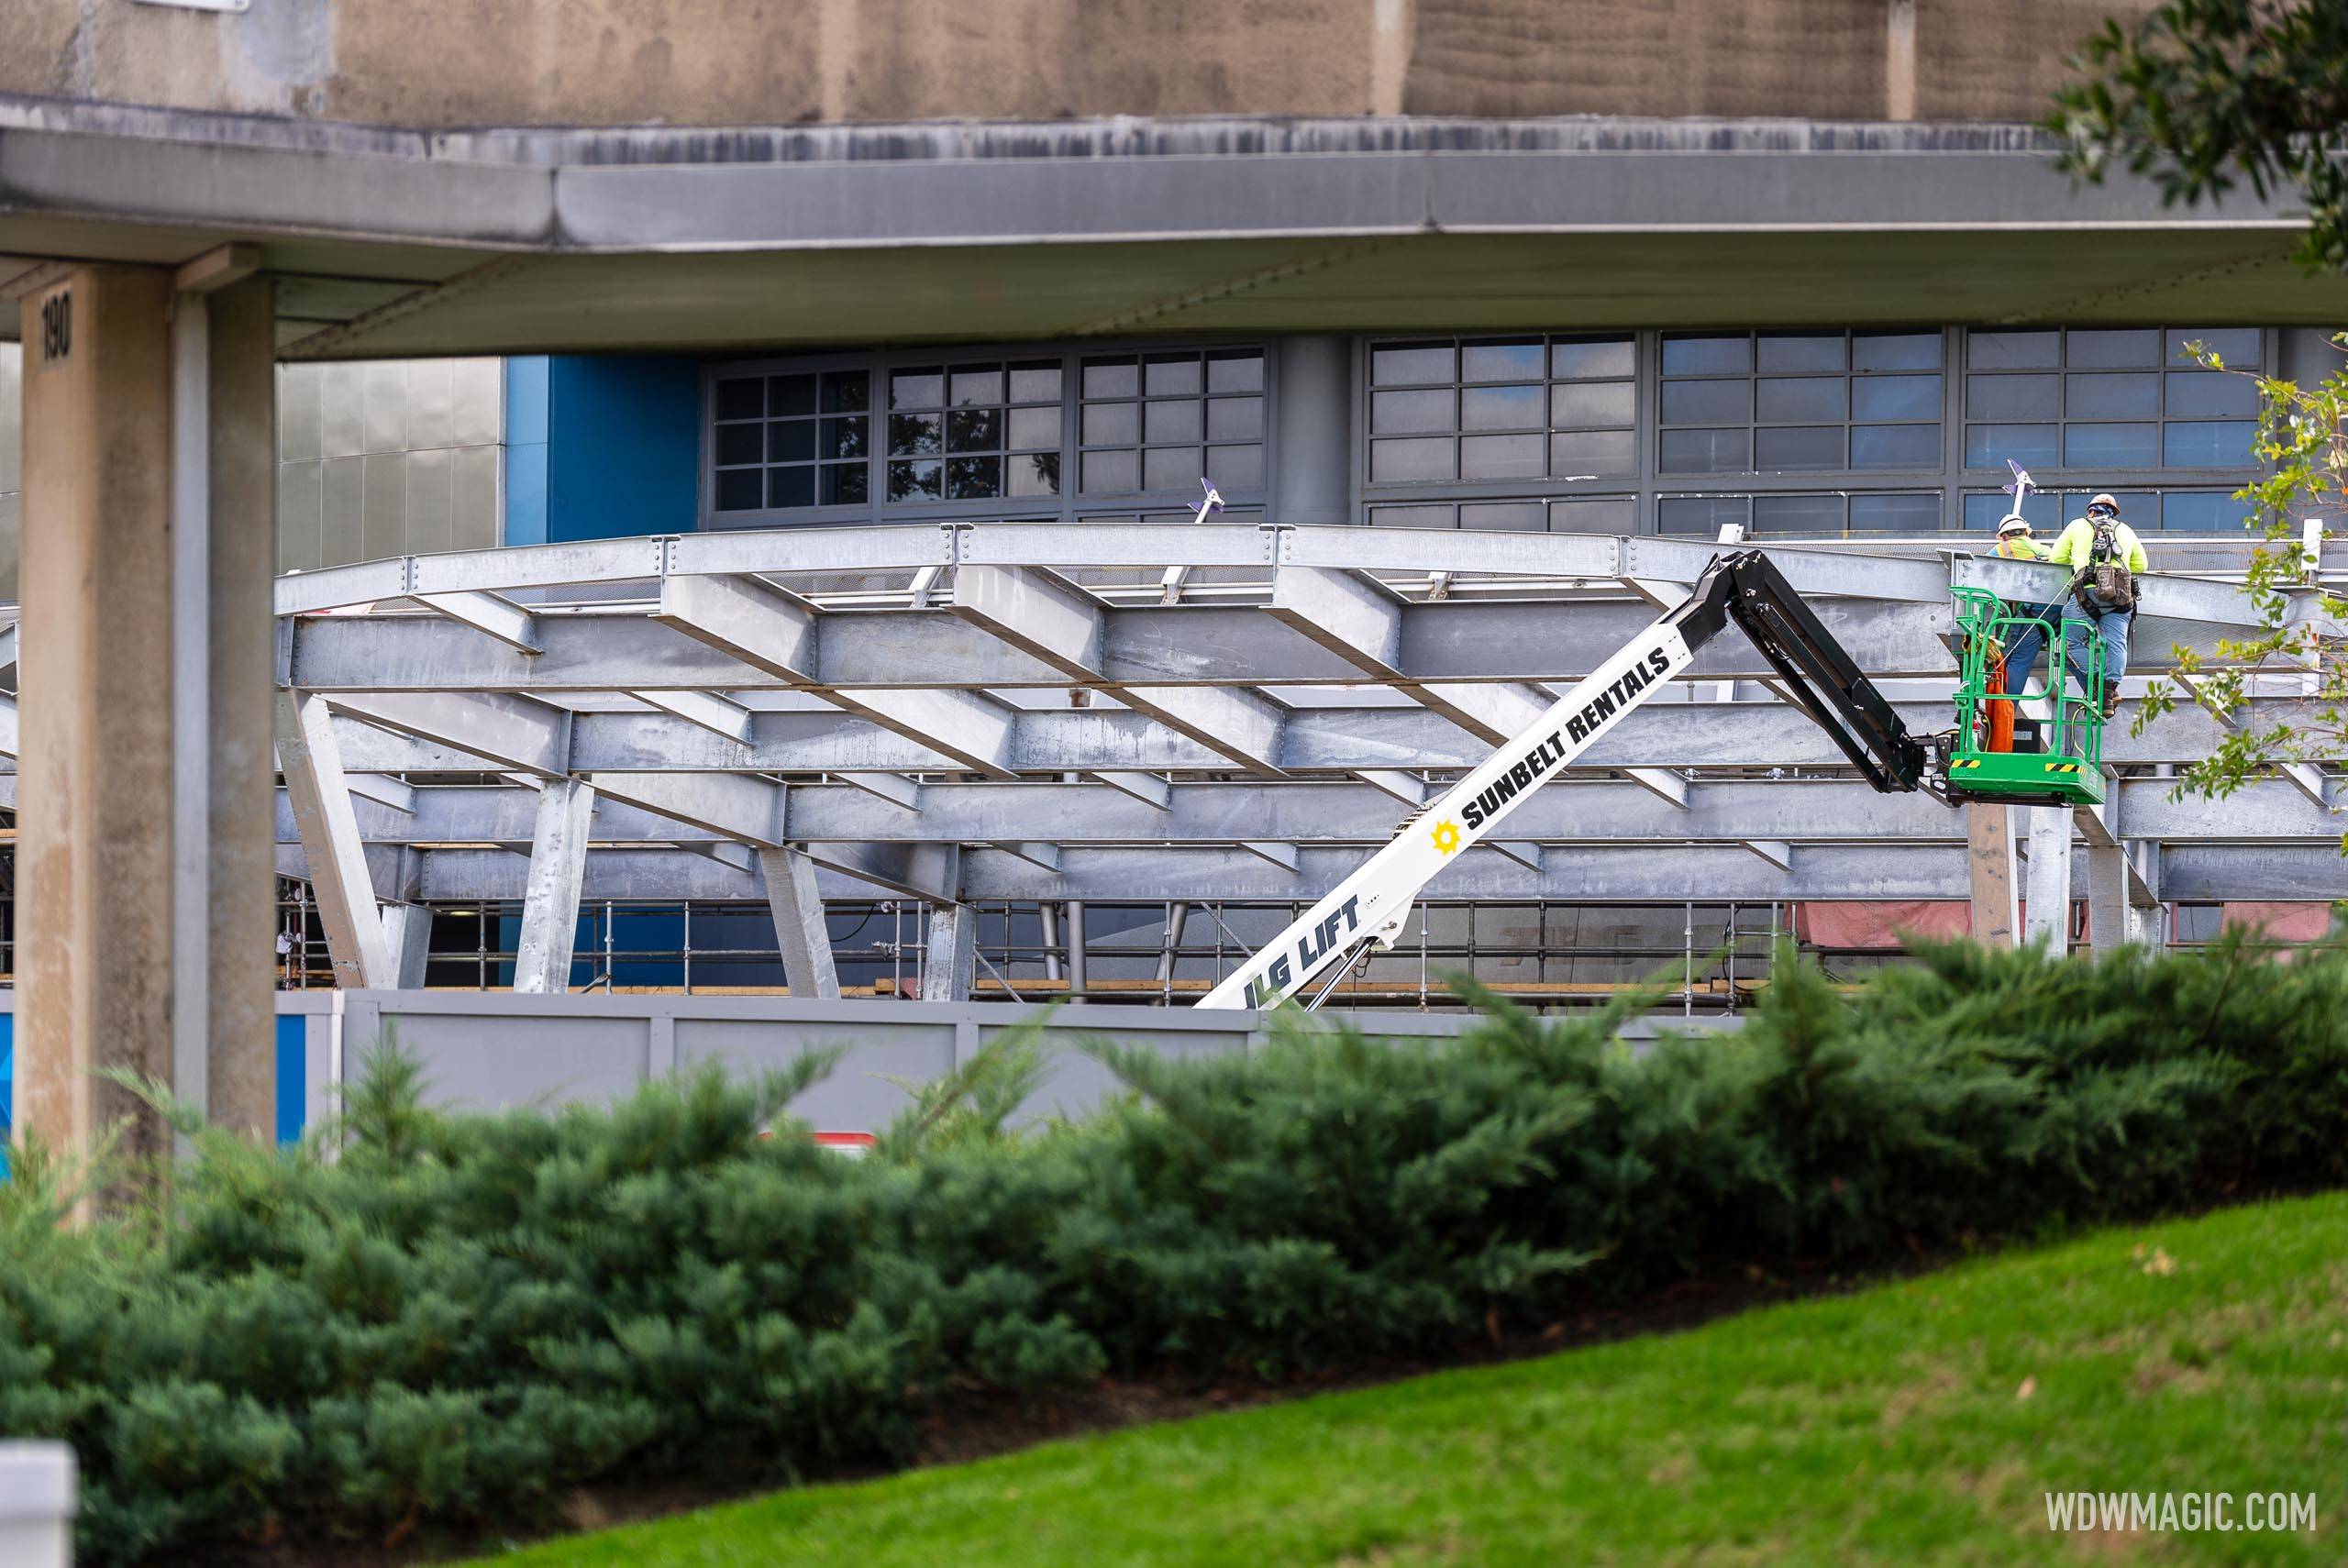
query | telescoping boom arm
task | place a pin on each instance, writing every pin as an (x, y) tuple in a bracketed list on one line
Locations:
[(1371, 905)]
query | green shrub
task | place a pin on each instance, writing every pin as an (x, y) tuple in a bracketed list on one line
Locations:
[(421, 1319)]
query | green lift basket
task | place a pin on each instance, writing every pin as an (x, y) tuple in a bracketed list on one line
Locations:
[(2057, 759)]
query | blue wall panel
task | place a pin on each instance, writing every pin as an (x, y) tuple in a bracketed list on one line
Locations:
[(601, 447), (7, 1084), (293, 1076), (623, 446), (525, 450)]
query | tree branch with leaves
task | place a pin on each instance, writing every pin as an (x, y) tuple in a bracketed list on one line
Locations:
[(2299, 653), (2203, 95)]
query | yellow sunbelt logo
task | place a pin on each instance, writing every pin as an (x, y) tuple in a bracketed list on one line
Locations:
[(1446, 836)]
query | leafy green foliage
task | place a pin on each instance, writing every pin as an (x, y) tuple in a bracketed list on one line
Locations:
[(2300, 443), (420, 1317), (2200, 94)]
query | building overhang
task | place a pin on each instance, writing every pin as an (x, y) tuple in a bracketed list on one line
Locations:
[(393, 242)]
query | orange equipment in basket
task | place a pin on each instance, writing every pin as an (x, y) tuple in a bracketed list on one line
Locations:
[(2001, 714)]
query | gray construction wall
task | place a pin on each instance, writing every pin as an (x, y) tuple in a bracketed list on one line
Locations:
[(486, 1051)]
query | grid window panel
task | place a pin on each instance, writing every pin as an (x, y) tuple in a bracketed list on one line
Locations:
[(1593, 454), (1783, 448), (784, 441), (1502, 409), (1612, 515), (1706, 451), (1501, 456), (2234, 345), (1895, 512), (1432, 515), (2135, 446), (1593, 359), (2110, 398), (1505, 516), (1798, 514), (1896, 445), (2142, 509), (1703, 515), (2203, 512), (1799, 401), (995, 426), (1161, 422)]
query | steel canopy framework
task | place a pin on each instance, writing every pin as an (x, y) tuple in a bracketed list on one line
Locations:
[(1144, 712)]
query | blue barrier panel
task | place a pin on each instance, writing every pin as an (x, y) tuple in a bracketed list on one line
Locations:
[(293, 1076), (7, 1082)]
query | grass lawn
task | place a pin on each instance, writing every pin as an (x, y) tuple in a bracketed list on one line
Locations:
[(1921, 1421)]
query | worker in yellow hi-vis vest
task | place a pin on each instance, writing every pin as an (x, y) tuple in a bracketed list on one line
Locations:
[(2106, 559), (2014, 543)]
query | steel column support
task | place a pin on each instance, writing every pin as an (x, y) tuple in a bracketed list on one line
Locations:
[(2049, 911), (1077, 977), (1989, 836), (550, 898), (328, 827), (407, 935), (800, 931), (949, 962)]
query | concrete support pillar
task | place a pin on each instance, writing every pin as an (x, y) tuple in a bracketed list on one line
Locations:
[(1312, 397), (550, 896), (95, 789), (330, 842), (949, 963), (407, 938), (147, 853), (2109, 925), (2050, 876), (227, 890), (2147, 914), (1989, 835), (801, 931)]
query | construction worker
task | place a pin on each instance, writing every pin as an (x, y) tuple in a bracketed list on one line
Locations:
[(2014, 543), (2106, 560)]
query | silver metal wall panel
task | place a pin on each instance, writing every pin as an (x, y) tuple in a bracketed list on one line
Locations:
[(300, 494), (419, 442)]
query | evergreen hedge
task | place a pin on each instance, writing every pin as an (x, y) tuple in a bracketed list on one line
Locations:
[(422, 1318)]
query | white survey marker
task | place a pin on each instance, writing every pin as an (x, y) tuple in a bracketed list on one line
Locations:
[(1368, 908)]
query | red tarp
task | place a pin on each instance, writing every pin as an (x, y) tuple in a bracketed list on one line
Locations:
[(2283, 922), (1879, 925)]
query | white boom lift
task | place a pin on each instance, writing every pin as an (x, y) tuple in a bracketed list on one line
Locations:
[(1368, 908)]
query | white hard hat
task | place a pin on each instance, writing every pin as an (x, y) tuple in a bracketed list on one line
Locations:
[(2012, 522)]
